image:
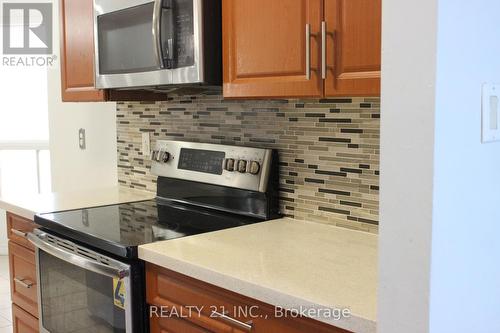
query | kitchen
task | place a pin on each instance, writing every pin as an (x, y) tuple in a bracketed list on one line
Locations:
[(215, 166)]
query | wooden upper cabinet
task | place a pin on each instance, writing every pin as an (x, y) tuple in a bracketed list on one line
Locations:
[(353, 52), (265, 46), (77, 52)]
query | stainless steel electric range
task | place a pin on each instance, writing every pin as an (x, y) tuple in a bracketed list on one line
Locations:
[(89, 276)]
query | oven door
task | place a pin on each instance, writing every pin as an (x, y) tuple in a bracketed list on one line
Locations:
[(80, 290), (142, 43)]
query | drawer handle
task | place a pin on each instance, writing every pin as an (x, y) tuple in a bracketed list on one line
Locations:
[(19, 233), (246, 326), (23, 283)]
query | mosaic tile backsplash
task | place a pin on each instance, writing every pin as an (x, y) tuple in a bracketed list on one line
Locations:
[(329, 148)]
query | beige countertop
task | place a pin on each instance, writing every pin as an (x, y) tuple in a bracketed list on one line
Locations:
[(29, 205), (287, 263)]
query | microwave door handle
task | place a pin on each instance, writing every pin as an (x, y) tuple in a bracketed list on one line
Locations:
[(77, 260), (158, 5)]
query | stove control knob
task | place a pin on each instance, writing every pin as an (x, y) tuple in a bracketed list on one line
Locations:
[(254, 167), (165, 156), (229, 166), (242, 166), (155, 154)]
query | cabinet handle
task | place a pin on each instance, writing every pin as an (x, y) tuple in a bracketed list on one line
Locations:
[(333, 52), (246, 326), (24, 284), (324, 65), (19, 233), (323, 50), (308, 51)]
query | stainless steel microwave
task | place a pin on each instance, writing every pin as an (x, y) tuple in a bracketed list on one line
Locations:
[(143, 43)]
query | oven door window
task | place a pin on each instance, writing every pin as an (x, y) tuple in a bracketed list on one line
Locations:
[(77, 300), (125, 41)]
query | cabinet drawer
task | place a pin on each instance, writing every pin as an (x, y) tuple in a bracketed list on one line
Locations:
[(181, 293), (172, 325), (22, 321), (23, 278), (16, 227)]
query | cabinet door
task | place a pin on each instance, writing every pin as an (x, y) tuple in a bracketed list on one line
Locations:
[(77, 52), (265, 45), (22, 321), (353, 52)]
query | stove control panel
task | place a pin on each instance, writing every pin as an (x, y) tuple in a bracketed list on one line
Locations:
[(233, 166)]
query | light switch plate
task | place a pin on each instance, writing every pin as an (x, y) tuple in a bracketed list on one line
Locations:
[(490, 110)]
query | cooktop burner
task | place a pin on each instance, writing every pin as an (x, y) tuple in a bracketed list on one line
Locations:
[(120, 229)]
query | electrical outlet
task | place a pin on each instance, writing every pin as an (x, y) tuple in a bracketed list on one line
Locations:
[(490, 117), (82, 141), (146, 144)]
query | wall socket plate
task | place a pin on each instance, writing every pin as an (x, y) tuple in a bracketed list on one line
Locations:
[(146, 144), (82, 140), (490, 131)]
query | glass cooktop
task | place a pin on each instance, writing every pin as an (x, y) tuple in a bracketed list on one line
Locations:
[(120, 229)]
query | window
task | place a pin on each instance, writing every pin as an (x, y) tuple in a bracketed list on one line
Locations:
[(24, 131)]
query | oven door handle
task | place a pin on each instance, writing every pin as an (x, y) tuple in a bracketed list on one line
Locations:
[(119, 272)]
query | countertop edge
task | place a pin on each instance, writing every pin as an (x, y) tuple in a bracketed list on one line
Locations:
[(17, 210), (28, 206), (266, 295)]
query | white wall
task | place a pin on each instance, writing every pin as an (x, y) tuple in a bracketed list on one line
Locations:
[(465, 279), (72, 168), (440, 204), (407, 140)]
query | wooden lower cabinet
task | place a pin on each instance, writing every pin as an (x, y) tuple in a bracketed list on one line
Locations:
[(22, 321), (172, 324), (180, 304), (17, 227), (23, 277)]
